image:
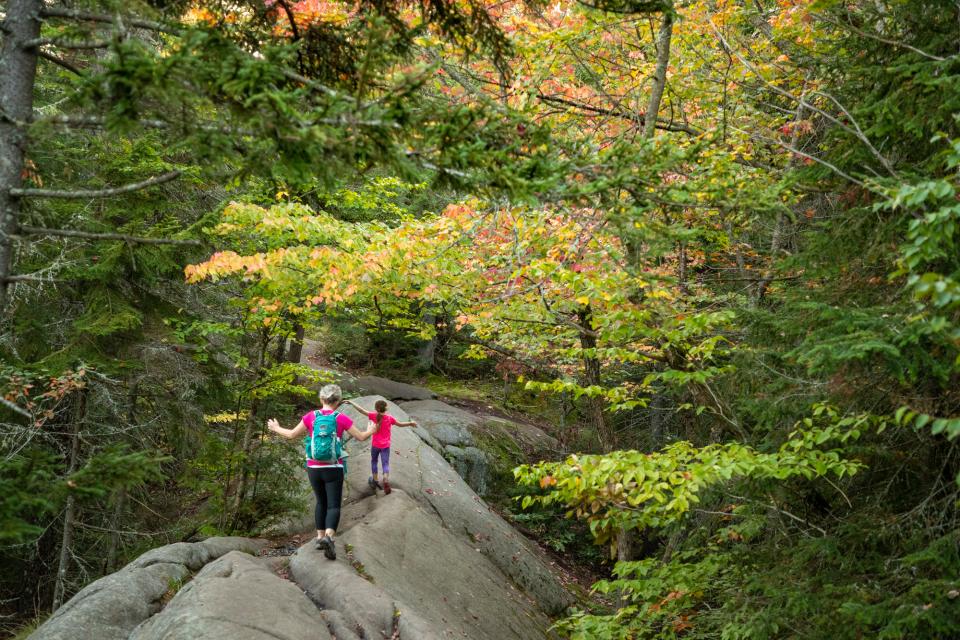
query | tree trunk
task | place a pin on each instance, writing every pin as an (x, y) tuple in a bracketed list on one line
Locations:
[(664, 35), (777, 236), (774, 251), (248, 431), (114, 546), (295, 352), (591, 376), (70, 513), (682, 267), (428, 349), (738, 252), (18, 70)]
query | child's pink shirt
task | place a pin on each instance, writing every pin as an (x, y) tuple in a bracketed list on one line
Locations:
[(381, 439)]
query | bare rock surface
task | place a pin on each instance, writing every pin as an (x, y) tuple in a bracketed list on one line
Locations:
[(404, 574), (111, 607), (424, 475), (389, 389), (236, 597)]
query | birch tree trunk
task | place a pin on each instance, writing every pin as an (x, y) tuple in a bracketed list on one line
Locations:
[(18, 70), (664, 35), (70, 513)]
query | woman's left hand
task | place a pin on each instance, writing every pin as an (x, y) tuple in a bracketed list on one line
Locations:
[(273, 425)]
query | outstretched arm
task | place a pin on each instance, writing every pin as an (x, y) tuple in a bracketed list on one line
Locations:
[(409, 423), (360, 435), (356, 406), (297, 431)]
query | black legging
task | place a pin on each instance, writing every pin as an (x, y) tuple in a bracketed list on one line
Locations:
[(327, 486)]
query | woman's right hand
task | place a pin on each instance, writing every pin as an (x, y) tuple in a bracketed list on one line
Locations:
[(273, 425)]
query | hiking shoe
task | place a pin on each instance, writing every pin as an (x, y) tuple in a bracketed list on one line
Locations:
[(329, 548), (321, 543), (373, 484), (386, 486)]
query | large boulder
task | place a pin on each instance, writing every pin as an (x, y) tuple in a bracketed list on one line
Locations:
[(423, 474), (236, 598), (407, 576), (111, 607), (449, 431), (389, 389), (471, 464), (447, 424), (483, 448)]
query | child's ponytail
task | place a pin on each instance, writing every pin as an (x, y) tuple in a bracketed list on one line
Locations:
[(381, 407)]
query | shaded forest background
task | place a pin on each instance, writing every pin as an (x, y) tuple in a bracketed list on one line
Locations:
[(710, 245)]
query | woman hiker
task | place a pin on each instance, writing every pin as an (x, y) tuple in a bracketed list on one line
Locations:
[(323, 450)]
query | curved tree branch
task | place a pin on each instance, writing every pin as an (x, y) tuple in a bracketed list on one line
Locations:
[(72, 233), (96, 193)]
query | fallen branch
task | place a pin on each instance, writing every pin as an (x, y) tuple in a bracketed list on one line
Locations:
[(122, 237), (96, 193)]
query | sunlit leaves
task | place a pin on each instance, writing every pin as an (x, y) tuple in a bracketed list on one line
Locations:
[(639, 490)]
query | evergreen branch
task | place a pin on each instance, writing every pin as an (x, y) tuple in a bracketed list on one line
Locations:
[(90, 235), (96, 193), (30, 277), (416, 156), (15, 408), (94, 122), (845, 24), (322, 88), (87, 16), (66, 44), (75, 14)]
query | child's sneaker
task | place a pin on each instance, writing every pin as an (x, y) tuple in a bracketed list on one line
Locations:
[(373, 484), (386, 486)]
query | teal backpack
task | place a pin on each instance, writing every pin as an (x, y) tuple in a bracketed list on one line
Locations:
[(322, 444)]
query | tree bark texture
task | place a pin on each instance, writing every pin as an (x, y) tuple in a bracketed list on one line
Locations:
[(70, 512), (591, 376), (18, 70), (295, 352), (664, 35)]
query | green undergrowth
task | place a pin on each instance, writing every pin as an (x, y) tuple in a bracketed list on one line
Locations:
[(25, 631)]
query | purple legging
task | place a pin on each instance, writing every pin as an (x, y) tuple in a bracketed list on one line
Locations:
[(384, 455)]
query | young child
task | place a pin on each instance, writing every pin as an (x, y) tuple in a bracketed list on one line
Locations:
[(380, 444)]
